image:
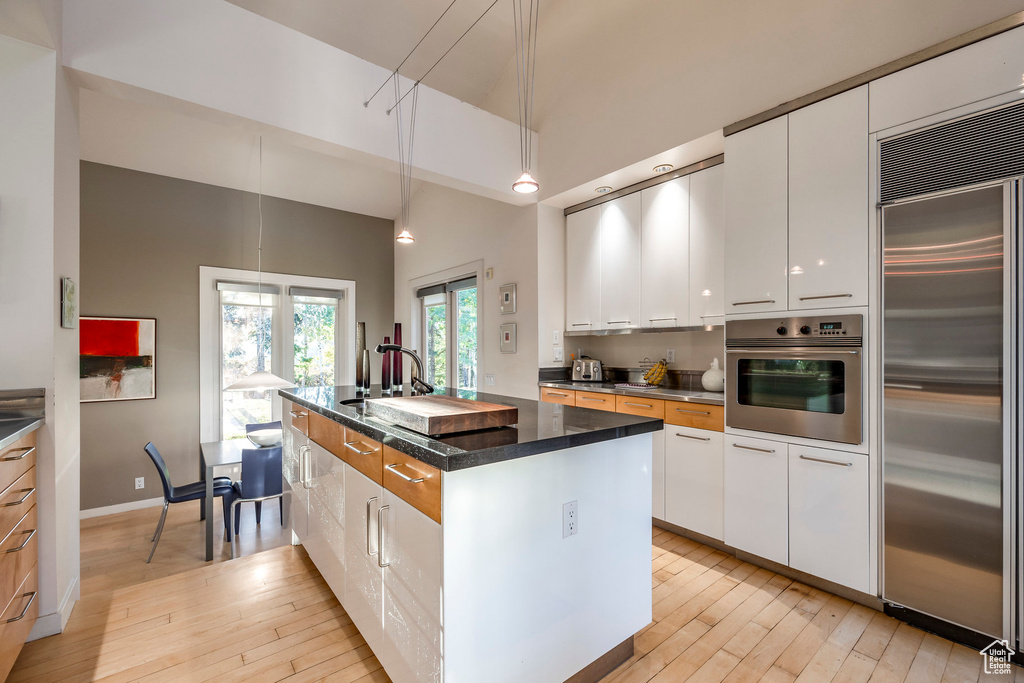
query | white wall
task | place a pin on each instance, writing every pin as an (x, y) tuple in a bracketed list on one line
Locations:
[(550, 285), (455, 228)]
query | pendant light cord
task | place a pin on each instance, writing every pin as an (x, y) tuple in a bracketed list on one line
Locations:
[(526, 70), (259, 264), (404, 157)]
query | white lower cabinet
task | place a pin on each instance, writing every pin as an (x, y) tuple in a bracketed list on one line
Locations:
[(695, 479), (658, 476), (364, 581), (293, 455), (828, 515), (756, 497), (325, 532)]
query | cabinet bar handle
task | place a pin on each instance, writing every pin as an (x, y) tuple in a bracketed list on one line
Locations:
[(297, 414), (581, 324), (380, 536), (587, 398), (827, 462), (391, 468), (31, 598), (27, 492), (695, 438), (826, 296), (618, 322), (24, 543), (24, 454), (368, 552), (751, 448), (692, 412), (555, 393), (348, 445), (656, 320), (751, 303), (638, 405), (304, 465)]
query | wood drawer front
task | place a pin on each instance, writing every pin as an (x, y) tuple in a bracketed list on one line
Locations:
[(423, 495), (563, 396), (19, 553), (327, 433), (595, 401), (16, 500), (365, 454), (14, 633), (300, 418), (645, 407), (696, 415), (17, 459)]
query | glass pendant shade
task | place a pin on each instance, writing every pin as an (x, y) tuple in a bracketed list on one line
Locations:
[(526, 184), (405, 237), (261, 380)]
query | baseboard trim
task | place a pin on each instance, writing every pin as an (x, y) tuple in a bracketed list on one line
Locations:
[(54, 623), (121, 507), (605, 664)]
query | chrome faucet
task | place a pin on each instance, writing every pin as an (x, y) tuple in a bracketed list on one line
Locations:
[(418, 385)]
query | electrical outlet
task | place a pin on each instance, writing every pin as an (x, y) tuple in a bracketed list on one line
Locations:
[(140, 482), (489, 380), (554, 336), (570, 519), (670, 355), (557, 355)]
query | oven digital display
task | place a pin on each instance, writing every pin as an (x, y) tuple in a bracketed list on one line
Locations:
[(830, 326)]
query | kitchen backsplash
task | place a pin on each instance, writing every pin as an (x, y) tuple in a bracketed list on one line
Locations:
[(694, 350)]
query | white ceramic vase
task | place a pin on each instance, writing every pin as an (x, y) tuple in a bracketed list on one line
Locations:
[(714, 378)]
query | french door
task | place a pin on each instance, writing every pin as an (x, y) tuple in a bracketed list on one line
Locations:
[(450, 335)]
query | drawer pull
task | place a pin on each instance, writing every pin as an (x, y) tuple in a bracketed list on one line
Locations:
[(555, 393), (31, 598), (695, 438), (297, 414), (348, 445), (380, 536), (826, 296), (751, 448), (24, 454), (27, 492), (827, 462), (391, 468), (24, 543), (587, 398), (368, 552), (692, 412), (638, 405), (751, 303)]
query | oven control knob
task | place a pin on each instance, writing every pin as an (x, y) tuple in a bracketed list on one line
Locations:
[(806, 329), (781, 330)]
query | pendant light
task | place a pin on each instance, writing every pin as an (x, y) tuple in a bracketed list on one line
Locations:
[(261, 380), (405, 157), (526, 67)]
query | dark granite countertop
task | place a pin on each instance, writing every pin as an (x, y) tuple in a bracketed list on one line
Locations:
[(542, 427), (715, 398), (12, 430)]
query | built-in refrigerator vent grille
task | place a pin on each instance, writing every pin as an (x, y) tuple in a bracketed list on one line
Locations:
[(977, 149)]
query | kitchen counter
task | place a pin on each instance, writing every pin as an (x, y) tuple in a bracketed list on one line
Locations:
[(12, 430), (715, 398), (542, 427)]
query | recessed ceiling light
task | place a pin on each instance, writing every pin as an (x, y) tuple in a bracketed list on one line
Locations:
[(664, 168), (604, 189)]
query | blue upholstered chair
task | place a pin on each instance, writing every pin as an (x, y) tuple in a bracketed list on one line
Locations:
[(256, 426), (262, 479), (180, 494)]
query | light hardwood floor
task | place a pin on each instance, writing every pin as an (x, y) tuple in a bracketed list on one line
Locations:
[(270, 616)]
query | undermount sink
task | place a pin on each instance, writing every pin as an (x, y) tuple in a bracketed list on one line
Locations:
[(354, 402)]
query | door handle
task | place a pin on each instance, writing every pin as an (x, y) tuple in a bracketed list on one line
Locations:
[(297, 414), (658, 320), (305, 462), (638, 405), (695, 438), (826, 296), (751, 303), (555, 393), (827, 462), (693, 412), (581, 324), (368, 552), (391, 468), (348, 445), (587, 398), (31, 598), (29, 535), (27, 492), (380, 536), (618, 322), (24, 454), (751, 448)]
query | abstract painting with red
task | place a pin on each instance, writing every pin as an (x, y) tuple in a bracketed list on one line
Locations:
[(117, 358)]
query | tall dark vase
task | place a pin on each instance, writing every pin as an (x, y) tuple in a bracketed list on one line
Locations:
[(396, 363), (385, 369), (360, 348), (365, 364)]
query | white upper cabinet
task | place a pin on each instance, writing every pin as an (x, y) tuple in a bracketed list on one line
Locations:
[(664, 254), (707, 246), (620, 264), (756, 199), (583, 270), (828, 202)]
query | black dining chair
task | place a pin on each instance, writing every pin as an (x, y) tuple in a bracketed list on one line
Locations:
[(180, 494), (256, 426), (262, 479)]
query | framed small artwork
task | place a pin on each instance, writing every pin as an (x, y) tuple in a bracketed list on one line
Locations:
[(508, 338), (68, 303), (117, 359), (508, 298)]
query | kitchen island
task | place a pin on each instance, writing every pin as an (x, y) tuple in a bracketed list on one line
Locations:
[(508, 554)]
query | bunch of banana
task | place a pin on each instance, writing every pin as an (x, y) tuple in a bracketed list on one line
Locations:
[(656, 373)]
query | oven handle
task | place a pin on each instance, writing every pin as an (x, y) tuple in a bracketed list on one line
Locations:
[(801, 351)]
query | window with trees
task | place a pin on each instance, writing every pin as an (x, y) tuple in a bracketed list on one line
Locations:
[(450, 334)]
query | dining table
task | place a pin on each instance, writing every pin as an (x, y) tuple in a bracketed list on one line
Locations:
[(214, 454)]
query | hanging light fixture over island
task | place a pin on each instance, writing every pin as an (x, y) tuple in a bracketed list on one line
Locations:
[(526, 62)]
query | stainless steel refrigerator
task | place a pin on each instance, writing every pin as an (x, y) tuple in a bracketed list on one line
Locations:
[(950, 409)]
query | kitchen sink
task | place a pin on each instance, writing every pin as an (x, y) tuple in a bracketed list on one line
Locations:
[(354, 402)]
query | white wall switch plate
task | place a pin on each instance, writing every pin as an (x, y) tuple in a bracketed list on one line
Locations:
[(140, 483), (489, 273), (670, 355), (489, 380), (557, 355), (554, 336), (570, 519)]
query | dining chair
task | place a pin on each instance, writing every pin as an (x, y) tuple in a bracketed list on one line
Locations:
[(262, 479), (180, 494), (256, 426)]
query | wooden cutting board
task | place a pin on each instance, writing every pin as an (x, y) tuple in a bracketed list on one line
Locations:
[(436, 415)]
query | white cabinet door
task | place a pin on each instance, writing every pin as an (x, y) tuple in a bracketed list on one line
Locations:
[(707, 246), (583, 270), (756, 198), (695, 479), (620, 263), (658, 476), (325, 538), (828, 202), (293, 444), (664, 254), (828, 515), (364, 579), (411, 553), (757, 497)]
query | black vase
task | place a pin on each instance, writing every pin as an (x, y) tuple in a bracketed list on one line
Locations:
[(385, 369)]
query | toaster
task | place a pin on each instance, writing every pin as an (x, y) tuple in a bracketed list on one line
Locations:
[(586, 370)]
